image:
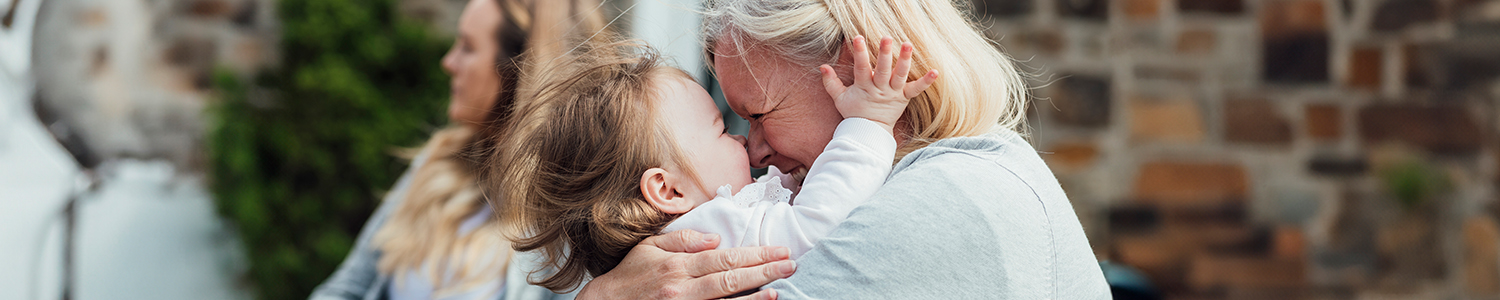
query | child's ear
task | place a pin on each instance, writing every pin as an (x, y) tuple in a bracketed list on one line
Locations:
[(662, 193)]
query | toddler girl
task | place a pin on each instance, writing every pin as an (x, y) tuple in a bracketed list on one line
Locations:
[(610, 147)]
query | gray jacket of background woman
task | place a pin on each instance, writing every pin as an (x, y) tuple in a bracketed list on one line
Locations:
[(359, 279)]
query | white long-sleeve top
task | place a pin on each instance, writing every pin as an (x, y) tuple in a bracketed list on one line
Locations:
[(853, 165)]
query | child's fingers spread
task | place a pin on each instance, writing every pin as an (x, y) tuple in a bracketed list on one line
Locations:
[(831, 81), (915, 88), (883, 63), (861, 59), (903, 65)]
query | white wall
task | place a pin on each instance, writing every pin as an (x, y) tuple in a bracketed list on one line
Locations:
[(672, 27)]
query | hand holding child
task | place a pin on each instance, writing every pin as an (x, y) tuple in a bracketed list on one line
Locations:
[(878, 94)]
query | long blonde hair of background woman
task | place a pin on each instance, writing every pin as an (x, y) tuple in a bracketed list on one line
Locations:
[(423, 232), (980, 89)]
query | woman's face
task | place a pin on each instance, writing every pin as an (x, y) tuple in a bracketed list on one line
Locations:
[(471, 63), (791, 116)]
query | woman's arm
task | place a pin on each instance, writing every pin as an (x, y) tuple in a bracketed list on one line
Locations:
[(681, 265), (357, 274)]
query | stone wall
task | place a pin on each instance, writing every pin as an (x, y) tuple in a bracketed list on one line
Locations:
[(1251, 148)]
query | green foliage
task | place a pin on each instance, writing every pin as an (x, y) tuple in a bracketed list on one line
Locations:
[(300, 155), (1413, 181)]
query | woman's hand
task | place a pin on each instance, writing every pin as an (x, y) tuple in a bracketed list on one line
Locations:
[(878, 94), (683, 265)]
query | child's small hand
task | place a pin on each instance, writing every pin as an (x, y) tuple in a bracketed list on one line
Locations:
[(880, 94)]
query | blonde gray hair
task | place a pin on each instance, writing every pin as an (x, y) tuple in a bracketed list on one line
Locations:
[(980, 87)]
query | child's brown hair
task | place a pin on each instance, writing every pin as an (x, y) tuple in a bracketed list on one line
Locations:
[(586, 128)]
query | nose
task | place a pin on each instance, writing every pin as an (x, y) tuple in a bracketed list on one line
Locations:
[(450, 61), (739, 138), (760, 152)]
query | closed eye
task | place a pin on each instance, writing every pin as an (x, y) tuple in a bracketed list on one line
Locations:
[(773, 108), (719, 121)]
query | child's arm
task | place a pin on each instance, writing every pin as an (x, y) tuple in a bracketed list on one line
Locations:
[(853, 165), (847, 173)]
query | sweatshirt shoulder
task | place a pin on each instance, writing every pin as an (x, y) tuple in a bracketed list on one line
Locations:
[(1002, 150)]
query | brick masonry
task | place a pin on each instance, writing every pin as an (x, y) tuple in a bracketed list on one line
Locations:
[(1269, 123)]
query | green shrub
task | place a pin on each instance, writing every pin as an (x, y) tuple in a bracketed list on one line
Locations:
[(1412, 181), (300, 155)]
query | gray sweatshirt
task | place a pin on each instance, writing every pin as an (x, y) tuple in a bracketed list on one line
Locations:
[(963, 218)]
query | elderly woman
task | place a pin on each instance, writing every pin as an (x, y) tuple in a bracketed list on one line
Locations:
[(434, 236), (969, 210)]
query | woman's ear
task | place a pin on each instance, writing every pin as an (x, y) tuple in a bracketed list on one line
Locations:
[(661, 192)]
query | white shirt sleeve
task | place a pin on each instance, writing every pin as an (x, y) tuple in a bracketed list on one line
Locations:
[(853, 165)]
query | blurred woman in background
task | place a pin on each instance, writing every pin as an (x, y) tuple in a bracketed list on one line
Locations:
[(434, 237)]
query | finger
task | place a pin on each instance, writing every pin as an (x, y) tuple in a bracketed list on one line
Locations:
[(861, 54), (831, 81), (766, 294), (727, 283), (684, 241), (915, 88), (883, 63), (903, 65), (715, 261)]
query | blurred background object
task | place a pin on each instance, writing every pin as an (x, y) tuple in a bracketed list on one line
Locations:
[(1214, 149), (94, 195)]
